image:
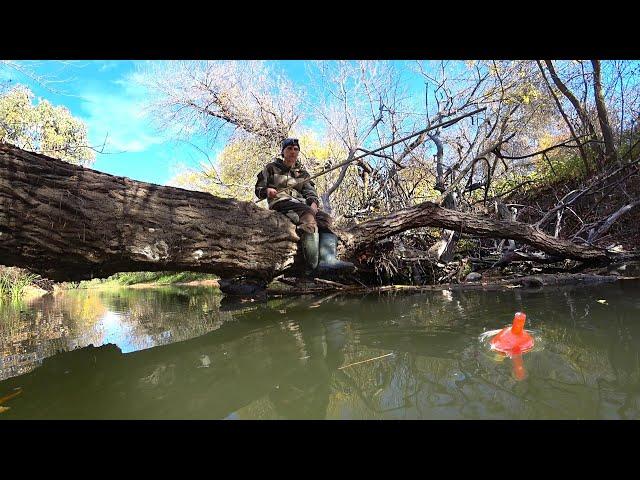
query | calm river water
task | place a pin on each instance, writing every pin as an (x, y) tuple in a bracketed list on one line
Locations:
[(181, 353)]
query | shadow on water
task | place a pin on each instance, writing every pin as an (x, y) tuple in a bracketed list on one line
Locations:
[(388, 356)]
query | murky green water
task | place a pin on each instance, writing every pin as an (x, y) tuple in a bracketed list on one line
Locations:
[(177, 353)]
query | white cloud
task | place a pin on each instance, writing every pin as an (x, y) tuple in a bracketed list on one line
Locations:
[(131, 85), (121, 117), (107, 66)]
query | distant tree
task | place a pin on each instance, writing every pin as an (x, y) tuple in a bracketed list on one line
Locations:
[(204, 97), (261, 108), (43, 127), (232, 174), (236, 167)]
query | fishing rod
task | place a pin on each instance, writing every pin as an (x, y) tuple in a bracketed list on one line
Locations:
[(446, 124)]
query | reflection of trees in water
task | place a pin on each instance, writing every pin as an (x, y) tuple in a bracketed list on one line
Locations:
[(330, 381), (324, 358), (420, 332), (597, 345), (41, 327), (619, 396), (437, 372), (10, 324), (30, 332), (165, 314), (170, 381)]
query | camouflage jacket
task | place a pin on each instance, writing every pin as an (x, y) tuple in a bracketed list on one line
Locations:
[(277, 175)]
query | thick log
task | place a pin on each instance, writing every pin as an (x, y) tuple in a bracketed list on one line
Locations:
[(429, 214), (67, 222)]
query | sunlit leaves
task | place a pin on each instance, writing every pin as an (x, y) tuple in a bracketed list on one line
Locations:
[(43, 127)]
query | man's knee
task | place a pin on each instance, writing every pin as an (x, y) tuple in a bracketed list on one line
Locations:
[(307, 228), (308, 218), (308, 223), (324, 222)]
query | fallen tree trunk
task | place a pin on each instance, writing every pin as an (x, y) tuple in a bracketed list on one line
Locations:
[(429, 214), (68, 222)]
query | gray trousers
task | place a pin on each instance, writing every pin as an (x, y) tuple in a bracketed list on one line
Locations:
[(323, 220)]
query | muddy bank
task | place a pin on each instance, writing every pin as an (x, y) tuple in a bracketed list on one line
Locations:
[(194, 283), (492, 284), (287, 287)]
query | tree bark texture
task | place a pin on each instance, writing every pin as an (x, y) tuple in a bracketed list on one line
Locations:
[(67, 222), (429, 214), (584, 117), (603, 117)]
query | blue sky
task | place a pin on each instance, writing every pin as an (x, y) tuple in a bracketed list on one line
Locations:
[(103, 94)]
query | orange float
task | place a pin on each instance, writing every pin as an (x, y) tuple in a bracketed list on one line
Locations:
[(513, 340)]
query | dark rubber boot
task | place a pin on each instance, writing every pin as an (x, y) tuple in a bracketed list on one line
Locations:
[(328, 262), (309, 243)]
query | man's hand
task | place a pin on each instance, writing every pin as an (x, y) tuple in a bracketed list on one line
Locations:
[(314, 207), (271, 192)]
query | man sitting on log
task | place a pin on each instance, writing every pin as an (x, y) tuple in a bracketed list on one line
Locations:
[(282, 183)]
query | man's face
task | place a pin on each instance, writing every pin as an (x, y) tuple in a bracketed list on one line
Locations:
[(290, 155)]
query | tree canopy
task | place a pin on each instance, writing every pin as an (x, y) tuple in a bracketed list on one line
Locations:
[(39, 126)]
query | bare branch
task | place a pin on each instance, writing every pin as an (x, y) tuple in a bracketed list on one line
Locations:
[(606, 225)]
